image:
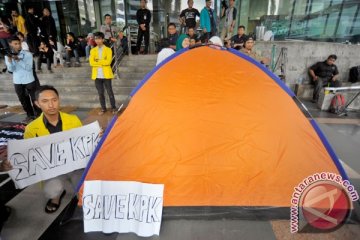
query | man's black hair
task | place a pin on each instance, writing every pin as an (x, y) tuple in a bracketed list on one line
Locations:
[(20, 34), (13, 38), (171, 24), (44, 88), (241, 26), (99, 35), (107, 15), (71, 34), (164, 43), (333, 56)]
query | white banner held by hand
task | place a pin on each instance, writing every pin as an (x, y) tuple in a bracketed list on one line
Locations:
[(42, 158), (120, 206)]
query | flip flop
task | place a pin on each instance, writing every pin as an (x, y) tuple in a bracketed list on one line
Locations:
[(53, 207)]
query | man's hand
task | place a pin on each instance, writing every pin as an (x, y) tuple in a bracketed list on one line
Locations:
[(16, 58), (113, 39), (204, 30), (315, 78), (5, 166)]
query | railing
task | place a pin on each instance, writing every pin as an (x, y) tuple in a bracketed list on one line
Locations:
[(118, 55)]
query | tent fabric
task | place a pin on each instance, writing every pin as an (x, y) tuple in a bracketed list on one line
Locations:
[(216, 130)]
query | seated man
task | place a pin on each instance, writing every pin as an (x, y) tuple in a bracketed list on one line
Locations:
[(71, 48), (52, 121), (324, 74), (172, 35), (248, 50)]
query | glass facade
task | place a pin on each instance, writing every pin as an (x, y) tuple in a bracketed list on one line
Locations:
[(315, 20)]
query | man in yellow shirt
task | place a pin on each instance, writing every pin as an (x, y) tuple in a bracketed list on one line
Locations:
[(18, 21), (51, 121), (100, 60)]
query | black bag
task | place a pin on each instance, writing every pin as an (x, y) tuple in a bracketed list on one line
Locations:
[(354, 74)]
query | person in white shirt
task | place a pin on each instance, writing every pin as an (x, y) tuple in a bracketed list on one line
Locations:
[(58, 50), (24, 45), (165, 51)]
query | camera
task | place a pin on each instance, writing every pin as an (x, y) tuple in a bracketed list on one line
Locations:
[(223, 4), (7, 52)]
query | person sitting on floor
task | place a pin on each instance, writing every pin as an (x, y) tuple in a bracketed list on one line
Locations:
[(46, 54), (71, 48), (52, 120)]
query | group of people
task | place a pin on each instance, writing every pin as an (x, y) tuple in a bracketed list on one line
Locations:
[(49, 118)]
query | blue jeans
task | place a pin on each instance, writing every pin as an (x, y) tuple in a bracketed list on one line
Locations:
[(69, 54)]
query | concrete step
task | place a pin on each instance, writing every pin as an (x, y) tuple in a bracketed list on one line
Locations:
[(75, 84), (88, 100)]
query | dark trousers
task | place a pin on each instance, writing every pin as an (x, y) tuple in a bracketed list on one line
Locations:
[(321, 83), (42, 58), (26, 95), (146, 35), (100, 84), (34, 42)]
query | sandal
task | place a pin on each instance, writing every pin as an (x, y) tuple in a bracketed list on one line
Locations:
[(53, 207)]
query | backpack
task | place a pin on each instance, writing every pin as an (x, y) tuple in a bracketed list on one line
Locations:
[(354, 74), (337, 104)]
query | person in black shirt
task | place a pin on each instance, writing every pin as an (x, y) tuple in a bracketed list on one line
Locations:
[(238, 40), (324, 74), (32, 25), (46, 55), (143, 18), (48, 27), (188, 16), (172, 35)]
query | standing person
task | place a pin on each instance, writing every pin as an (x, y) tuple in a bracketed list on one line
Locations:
[(229, 23), (32, 25), (100, 61), (208, 20), (49, 122), (25, 47), (188, 16), (48, 27), (18, 22), (237, 41), (109, 31), (323, 74), (20, 63), (143, 18)]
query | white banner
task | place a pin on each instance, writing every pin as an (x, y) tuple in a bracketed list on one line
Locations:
[(41, 158), (117, 206)]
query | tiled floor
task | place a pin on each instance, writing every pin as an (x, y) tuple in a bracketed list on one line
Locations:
[(30, 222)]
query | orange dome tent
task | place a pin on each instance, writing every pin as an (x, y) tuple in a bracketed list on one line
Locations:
[(217, 129)]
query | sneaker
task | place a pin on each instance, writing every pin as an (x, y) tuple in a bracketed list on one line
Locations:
[(114, 111), (68, 64), (102, 112), (77, 64)]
